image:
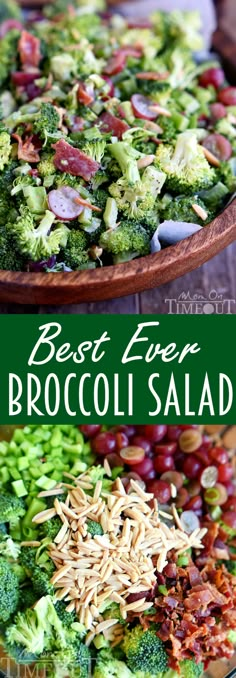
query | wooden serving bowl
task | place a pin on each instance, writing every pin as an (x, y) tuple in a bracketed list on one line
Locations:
[(144, 273)]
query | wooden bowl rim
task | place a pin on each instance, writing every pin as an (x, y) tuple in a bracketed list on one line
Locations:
[(123, 279)]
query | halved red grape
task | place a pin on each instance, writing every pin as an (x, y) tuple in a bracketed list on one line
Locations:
[(163, 463), (227, 96), (190, 440), (194, 488), (104, 443), (122, 440), (141, 107), (160, 489), (132, 455), (182, 497), (215, 496), (155, 433), (89, 431), (194, 504), (218, 145), (209, 476), (173, 477), (61, 201), (142, 442), (189, 521), (212, 76), (230, 504), (173, 432)]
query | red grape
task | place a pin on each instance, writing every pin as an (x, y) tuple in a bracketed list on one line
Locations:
[(165, 448), (194, 488), (218, 145), (173, 432), (114, 460), (160, 489), (231, 488), (218, 111), (212, 76), (121, 440), (163, 463), (104, 443), (142, 442), (173, 477), (225, 472), (142, 107), (89, 431), (229, 518), (230, 504), (219, 454), (192, 467), (227, 96), (145, 469), (194, 504), (155, 433)]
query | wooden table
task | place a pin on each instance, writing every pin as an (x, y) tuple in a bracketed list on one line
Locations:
[(218, 274)]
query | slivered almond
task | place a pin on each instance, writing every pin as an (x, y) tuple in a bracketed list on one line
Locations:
[(60, 573), (159, 110), (44, 515), (145, 161), (212, 159), (203, 214)]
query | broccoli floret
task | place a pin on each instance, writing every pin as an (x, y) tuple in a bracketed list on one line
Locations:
[(36, 630), (9, 9), (47, 122), (11, 508), (137, 200), (46, 165), (9, 590), (8, 54), (127, 241), (225, 175), (27, 558), (5, 149), (38, 242), (63, 67), (181, 209), (169, 131), (113, 612), (75, 253), (67, 618), (10, 258), (100, 196), (225, 127), (28, 597), (41, 582), (185, 28), (94, 528), (231, 566), (189, 669), (109, 667), (186, 167), (144, 651), (50, 528), (94, 143)]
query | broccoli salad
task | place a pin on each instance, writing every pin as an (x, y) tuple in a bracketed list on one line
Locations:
[(117, 551), (116, 139)]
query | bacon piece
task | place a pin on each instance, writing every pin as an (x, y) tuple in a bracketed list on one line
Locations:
[(115, 64), (85, 94), (74, 161), (110, 123), (152, 75), (29, 50), (194, 575), (27, 149)]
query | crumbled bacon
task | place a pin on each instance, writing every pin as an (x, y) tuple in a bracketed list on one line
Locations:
[(27, 148), (73, 161), (196, 615), (29, 50), (110, 123)]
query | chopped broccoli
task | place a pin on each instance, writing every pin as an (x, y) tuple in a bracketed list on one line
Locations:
[(75, 253), (232, 636), (46, 167), (181, 209), (185, 27), (113, 612), (8, 54), (38, 242), (11, 508), (94, 528), (9, 590), (5, 149), (109, 667), (41, 582), (28, 597), (225, 127), (186, 168), (231, 566), (190, 669), (126, 157), (10, 258), (144, 651), (27, 558), (94, 143), (46, 123), (67, 618), (50, 528), (63, 67), (36, 630), (127, 241), (135, 201)]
